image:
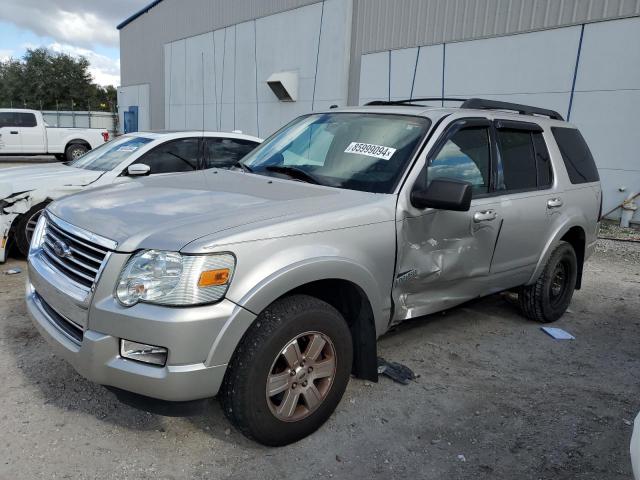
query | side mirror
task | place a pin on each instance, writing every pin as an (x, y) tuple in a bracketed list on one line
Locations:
[(443, 194), (138, 170)]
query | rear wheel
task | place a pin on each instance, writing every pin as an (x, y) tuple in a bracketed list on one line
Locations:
[(289, 372), (26, 226), (75, 150), (546, 300)]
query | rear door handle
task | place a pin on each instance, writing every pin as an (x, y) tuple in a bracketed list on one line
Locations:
[(484, 216), (13, 132), (554, 203)]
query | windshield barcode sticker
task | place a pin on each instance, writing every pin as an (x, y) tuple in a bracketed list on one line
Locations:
[(370, 150)]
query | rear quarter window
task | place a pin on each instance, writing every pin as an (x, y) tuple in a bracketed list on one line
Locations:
[(576, 155)]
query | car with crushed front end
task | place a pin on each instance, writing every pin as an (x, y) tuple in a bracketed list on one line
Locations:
[(269, 286), (26, 191)]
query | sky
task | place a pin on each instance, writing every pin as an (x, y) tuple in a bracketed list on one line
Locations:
[(76, 27)]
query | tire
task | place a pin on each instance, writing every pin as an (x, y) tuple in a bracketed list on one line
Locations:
[(296, 320), (75, 151), (24, 228), (546, 300)]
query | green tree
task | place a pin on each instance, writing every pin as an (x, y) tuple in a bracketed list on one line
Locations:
[(47, 80)]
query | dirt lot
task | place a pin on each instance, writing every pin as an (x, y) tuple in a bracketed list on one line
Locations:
[(496, 399)]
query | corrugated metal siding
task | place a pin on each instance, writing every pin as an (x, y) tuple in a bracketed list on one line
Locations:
[(391, 24), (141, 41)]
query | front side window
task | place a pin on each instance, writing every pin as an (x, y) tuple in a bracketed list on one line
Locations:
[(7, 119), (173, 156), (226, 152), (357, 151), (465, 156), (109, 155)]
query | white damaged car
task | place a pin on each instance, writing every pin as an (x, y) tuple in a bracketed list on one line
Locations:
[(26, 191)]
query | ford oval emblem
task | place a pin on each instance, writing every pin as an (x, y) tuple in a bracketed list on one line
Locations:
[(61, 249)]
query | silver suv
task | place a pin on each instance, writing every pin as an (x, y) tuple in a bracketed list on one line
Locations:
[(268, 285)]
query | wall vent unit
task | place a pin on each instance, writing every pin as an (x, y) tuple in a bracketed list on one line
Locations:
[(284, 85)]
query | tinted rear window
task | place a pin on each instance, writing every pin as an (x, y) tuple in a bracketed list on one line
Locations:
[(518, 160), (576, 155), (543, 162), (25, 119)]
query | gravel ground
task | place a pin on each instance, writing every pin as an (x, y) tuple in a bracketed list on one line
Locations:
[(496, 398)]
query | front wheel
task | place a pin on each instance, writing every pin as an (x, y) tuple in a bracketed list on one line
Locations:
[(26, 226), (289, 372), (546, 300)]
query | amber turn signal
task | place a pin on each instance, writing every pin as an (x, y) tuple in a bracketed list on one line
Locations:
[(213, 278)]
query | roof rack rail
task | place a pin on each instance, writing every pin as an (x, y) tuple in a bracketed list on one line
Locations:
[(474, 103), (482, 104), (409, 101)]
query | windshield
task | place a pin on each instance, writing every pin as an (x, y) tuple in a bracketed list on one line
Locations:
[(108, 156), (357, 151)]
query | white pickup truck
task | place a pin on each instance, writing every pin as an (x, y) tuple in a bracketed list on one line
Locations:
[(24, 132)]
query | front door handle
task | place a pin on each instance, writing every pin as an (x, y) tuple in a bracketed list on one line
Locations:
[(13, 132), (554, 203), (484, 216)]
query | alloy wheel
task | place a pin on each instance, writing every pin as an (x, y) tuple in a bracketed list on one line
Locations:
[(301, 376), (31, 225)]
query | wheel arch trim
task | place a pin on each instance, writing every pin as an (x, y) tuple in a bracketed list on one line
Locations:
[(289, 279), (560, 232)]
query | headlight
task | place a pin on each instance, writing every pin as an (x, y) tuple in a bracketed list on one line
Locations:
[(173, 279), (38, 234)]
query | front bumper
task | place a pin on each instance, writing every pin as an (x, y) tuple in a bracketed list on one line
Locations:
[(200, 340)]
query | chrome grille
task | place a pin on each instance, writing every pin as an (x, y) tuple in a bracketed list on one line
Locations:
[(81, 259)]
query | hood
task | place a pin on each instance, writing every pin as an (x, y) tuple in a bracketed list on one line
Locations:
[(172, 211), (47, 176)]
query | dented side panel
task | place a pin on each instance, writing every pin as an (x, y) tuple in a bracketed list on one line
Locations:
[(444, 258)]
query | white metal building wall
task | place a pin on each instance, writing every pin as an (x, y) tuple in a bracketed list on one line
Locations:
[(589, 73), (380, 25), (142, 40), (134, 95), (235, 62)]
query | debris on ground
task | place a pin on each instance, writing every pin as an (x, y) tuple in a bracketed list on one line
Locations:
[(462, 458), (13, 271), (613, 231), (557, 333), (395, 371)]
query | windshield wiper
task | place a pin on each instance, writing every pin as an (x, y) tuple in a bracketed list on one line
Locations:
[(294, 172), (244, 167)]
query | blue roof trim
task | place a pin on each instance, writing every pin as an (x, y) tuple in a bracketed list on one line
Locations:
[(138, 14)]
